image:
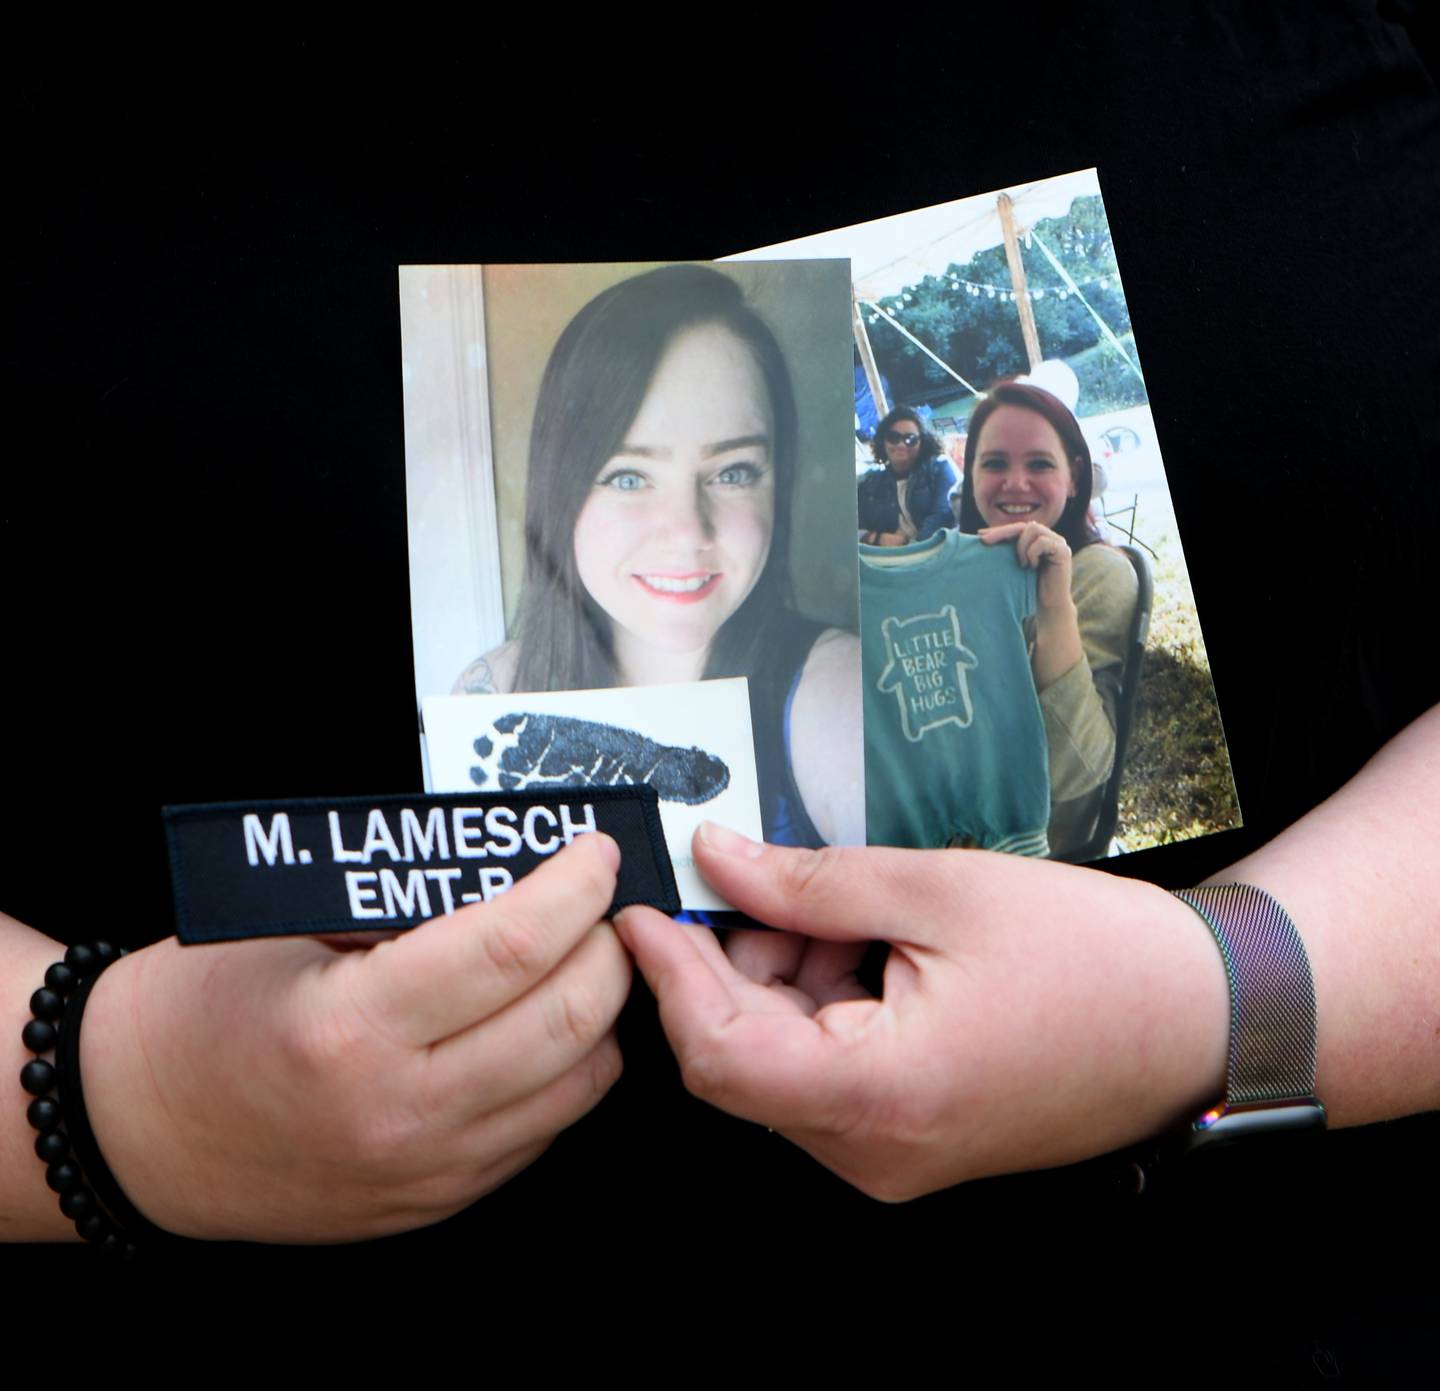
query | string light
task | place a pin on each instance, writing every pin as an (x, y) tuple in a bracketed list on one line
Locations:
[(979, 287)]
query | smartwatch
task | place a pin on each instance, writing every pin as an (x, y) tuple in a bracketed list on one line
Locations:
[(1270, 1074)]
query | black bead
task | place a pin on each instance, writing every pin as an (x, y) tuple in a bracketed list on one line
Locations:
[(127, 1252), (61, 978), (52, 1147), (105, 953), (63, 1177), (82, 960), (44, 1113), (111, 1245), (38, 1036), (37, 1077), (77, 1204), (47, 1004), (93, 1227)]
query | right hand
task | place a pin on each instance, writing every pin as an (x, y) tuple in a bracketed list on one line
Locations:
[(1033, 1013), (295, 1091)]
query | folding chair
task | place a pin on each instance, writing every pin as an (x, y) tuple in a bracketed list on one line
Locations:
[(1098, 846)]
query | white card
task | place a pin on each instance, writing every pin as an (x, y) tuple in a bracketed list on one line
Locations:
[(703, 767)]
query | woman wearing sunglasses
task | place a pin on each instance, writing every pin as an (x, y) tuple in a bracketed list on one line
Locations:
[(908, 497)]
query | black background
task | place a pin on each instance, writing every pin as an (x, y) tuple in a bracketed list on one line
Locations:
[(205, 574)]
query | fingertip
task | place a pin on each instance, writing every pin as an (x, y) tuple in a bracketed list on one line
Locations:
[(721, 840), (630, 928), (602, 845), (621, 923), (630, 924)]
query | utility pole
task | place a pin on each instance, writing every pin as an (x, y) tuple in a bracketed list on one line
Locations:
[(1017, 280), (867, 358)]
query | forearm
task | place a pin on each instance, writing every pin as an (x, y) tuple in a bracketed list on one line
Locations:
[(29, 1211), (1078, 710), (1057, 643), (1361, 878)]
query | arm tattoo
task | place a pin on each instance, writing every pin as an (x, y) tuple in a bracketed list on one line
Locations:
[(476, 679)]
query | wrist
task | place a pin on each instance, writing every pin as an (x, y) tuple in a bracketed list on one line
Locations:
[(1270, 1083), (1058, 651), (1058, 614), (1137, 1011), (1184, 1013), (136, 1134), (87, 1192)]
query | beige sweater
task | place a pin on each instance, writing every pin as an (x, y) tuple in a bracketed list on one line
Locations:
[(1079, 708)]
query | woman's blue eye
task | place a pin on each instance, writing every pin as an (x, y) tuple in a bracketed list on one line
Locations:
[(738, 475), (623, 481)]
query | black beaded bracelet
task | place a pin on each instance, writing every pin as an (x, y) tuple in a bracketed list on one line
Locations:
[(74, 1167)]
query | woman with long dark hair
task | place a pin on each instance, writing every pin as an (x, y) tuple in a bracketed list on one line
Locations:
[(657, 525), (1028, 479)]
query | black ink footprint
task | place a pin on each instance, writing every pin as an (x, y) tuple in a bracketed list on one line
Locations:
[(559, 751)]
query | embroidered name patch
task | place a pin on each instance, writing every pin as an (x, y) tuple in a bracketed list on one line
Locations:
[(273, 869)]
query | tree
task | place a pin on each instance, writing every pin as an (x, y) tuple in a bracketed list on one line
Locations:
[(968, 315)]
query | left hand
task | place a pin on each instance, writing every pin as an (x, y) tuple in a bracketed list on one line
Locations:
[(1033, 1014), (1058, 647), (1040, 549)]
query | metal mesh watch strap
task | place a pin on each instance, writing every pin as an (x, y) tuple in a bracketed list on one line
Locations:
[(1272, 995)]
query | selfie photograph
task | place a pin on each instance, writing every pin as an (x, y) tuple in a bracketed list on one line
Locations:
[(639, 477)]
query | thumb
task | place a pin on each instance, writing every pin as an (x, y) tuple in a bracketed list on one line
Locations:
[(839, 893)]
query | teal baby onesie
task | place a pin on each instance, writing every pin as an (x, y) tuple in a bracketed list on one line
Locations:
[(954, 739)]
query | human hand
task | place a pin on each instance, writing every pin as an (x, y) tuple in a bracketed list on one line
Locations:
[(1033, 1013), (1058, 647), (293, 1091), (1040, 549), (891, 538)]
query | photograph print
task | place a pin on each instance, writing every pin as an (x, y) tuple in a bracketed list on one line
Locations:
[(1035, 678), (641, 476)]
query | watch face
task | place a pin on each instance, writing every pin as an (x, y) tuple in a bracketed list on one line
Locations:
[(1240, 1182), (1226, 1122), (1224, 1141)]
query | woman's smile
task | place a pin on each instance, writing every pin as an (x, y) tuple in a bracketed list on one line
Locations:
[(680, 588)]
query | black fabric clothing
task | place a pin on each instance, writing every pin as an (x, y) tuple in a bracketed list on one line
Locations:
[(205, 556)]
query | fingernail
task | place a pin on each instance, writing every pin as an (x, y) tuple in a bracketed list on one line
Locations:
[(605, 847), (724, 841)]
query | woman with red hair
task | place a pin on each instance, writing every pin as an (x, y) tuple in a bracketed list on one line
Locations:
[(1028, 479)]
